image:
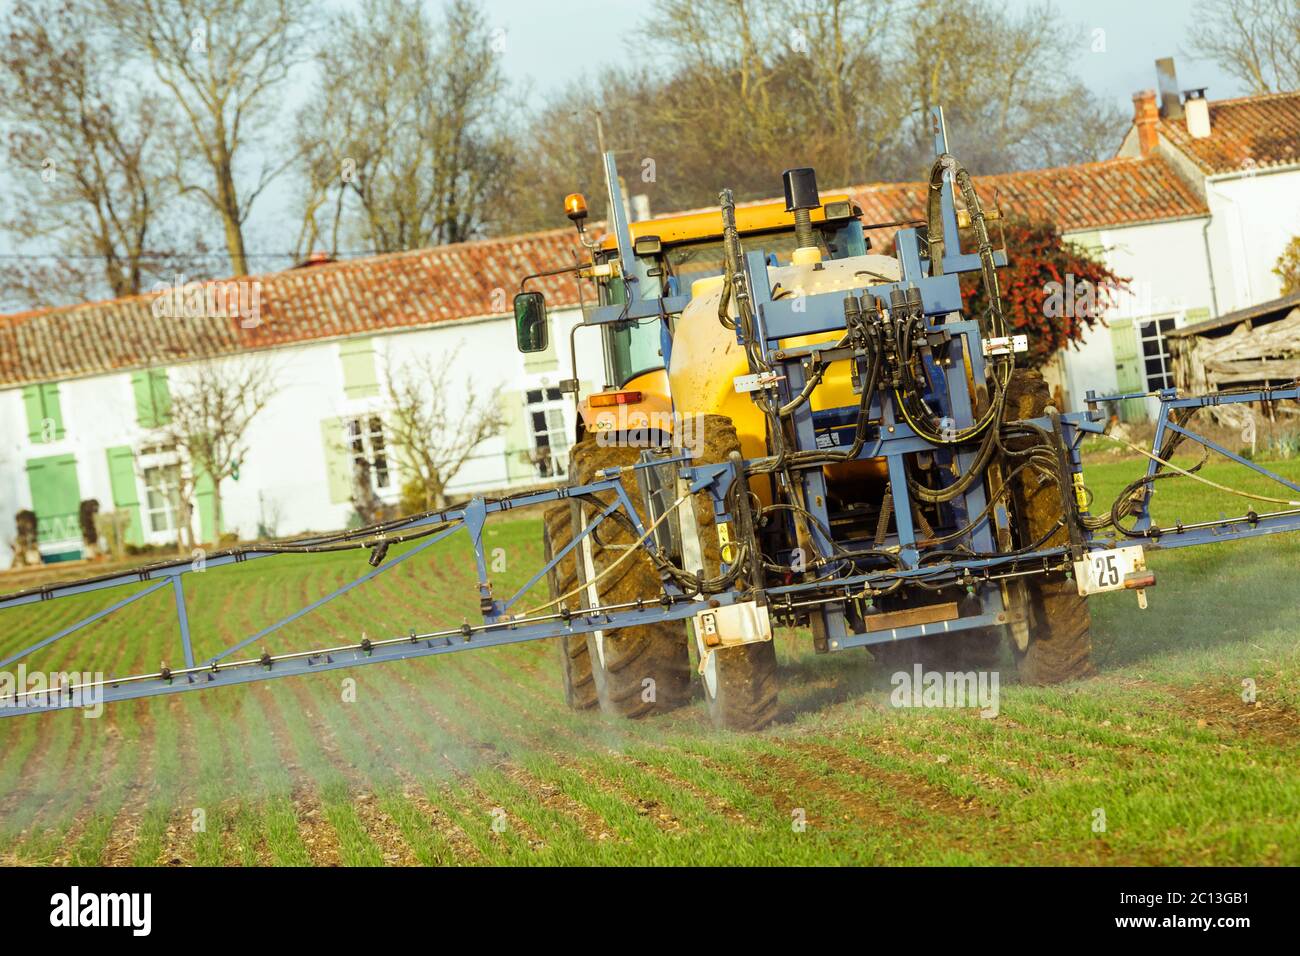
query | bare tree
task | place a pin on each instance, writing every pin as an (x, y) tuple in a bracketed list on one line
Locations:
[(212, 407), (89, 150), (434, 426), (1256, 41), (1002, 78), (564, 155), (224, 62), (782, 77), (413, 147), (750, 87)]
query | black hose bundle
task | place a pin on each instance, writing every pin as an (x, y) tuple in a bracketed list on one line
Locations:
[(897, 337), (1136, 492)]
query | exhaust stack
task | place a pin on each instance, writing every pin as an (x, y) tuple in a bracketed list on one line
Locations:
[(800, 198)]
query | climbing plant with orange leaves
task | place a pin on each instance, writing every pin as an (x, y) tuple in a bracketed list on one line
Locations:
[(1053, 290)]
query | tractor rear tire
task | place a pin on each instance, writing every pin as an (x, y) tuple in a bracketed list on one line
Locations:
[(740, 682), (575, 665), (1060, 633), (636, 671)]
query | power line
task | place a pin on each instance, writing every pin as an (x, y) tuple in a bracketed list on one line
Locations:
[(184, 255)]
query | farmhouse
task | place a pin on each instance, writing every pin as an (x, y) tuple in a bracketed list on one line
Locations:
[(85, 392), (1195, 209)]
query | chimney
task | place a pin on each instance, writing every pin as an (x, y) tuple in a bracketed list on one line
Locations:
[(1171, 107), (1144, 119), (316, 259), (1197, 108)]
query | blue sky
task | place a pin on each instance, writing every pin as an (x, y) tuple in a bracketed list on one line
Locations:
[(540, 34)]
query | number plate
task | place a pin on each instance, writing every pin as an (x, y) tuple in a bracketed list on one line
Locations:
[(1105, 570)]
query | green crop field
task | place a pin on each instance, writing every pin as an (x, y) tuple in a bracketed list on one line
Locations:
[(473, 759)]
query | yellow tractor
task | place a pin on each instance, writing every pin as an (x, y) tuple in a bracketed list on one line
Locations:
[(690, 371)]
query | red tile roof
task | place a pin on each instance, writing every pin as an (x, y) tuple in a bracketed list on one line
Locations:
[(1113, 192), (1249, 132), (338, 300), (421, 288)]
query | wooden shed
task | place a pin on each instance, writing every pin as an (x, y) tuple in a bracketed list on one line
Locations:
[(1259, 345)]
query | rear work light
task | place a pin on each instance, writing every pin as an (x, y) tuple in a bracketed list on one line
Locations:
[(842, 209), (606, 399)]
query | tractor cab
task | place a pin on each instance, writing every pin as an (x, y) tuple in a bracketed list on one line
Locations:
[(643, 274)]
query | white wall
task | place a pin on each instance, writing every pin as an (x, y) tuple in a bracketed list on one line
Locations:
[(484, 356), (1255, 215), (285, 469), (1166, 264), (98, 414)]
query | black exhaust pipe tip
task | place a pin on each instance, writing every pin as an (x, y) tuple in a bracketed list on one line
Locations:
[(800, 188)]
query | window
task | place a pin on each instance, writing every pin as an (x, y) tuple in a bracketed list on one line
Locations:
[(635, 349), (162, 496), (1157, 365), (698, 260), (545, 410), (369, 456)]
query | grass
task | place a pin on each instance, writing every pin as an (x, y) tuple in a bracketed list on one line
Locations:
[(472, 759)]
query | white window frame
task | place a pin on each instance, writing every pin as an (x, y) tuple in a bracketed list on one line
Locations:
[(550, 458), (171, 508), (1163, 353), (368, 420)]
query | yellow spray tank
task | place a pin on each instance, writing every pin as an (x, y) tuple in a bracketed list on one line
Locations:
[(706, 360)]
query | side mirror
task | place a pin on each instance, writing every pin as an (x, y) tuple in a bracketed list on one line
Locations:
[(532, 331)]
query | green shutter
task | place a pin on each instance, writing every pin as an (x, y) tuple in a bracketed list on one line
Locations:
[(56, 497), (359, 377), (35, 413), (1123, 339), (126, 494), (53, 407), (162, 396), (338, 462), (42, 405), (1192, 316), (143, 400), (1128, 368), (153, 400), (207, 511), (515, 432)]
